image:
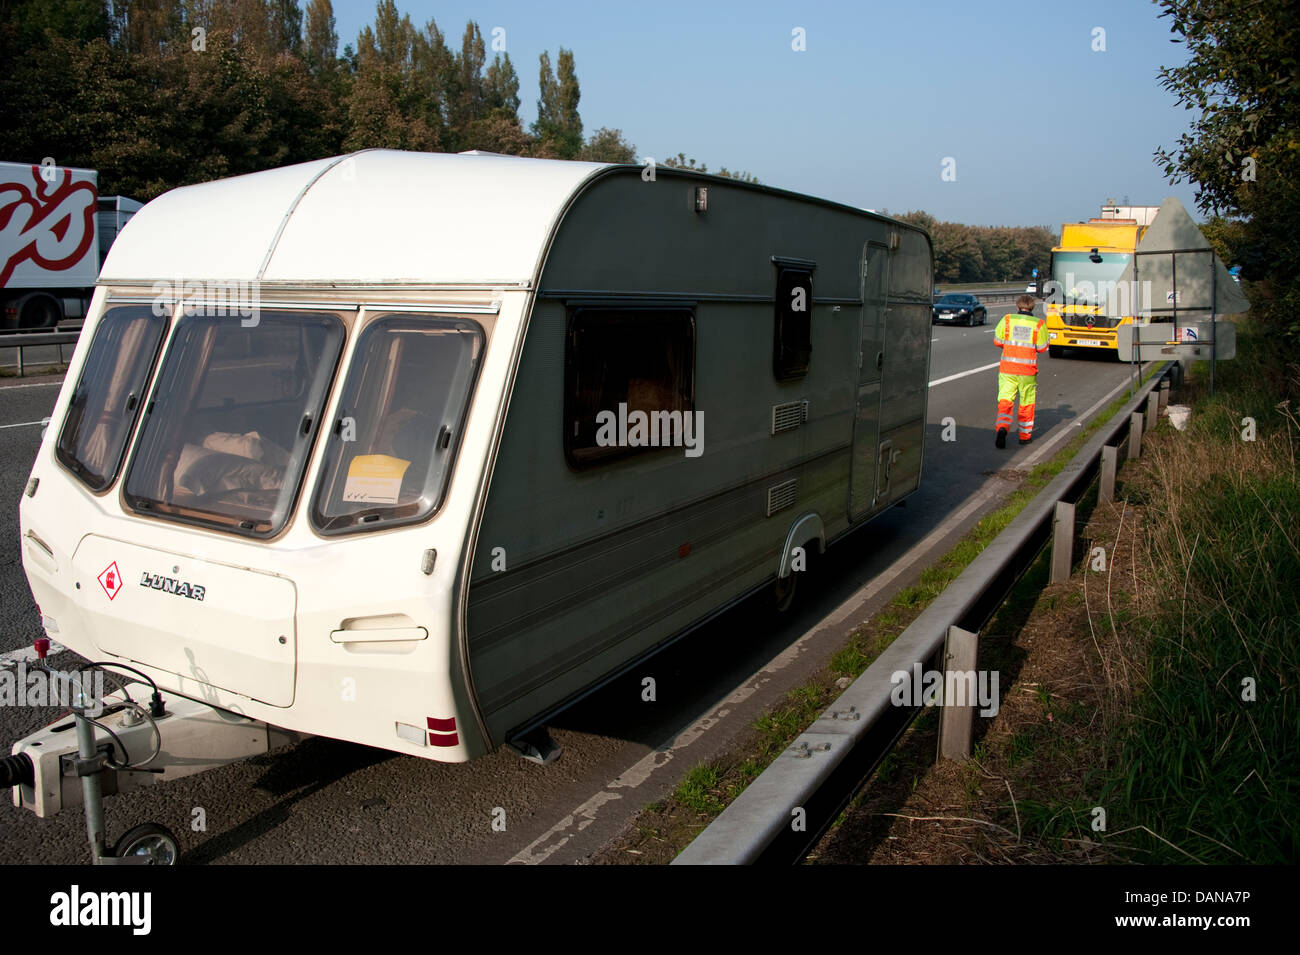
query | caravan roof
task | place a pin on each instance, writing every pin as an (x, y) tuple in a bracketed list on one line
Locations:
[(375, 217)]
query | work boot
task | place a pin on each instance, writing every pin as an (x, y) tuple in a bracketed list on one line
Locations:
[(1001, 440), (1025, 440)]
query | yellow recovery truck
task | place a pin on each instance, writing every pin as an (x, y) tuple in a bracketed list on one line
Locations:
[(1082, 309)]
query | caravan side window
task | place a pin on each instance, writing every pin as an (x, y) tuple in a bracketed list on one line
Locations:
[(792, 330), (619, 361)]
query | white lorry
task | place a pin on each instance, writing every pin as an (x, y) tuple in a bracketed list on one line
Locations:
[(54, 231)]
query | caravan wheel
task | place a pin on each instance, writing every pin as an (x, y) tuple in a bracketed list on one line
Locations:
[(784, 590), (152, 840)]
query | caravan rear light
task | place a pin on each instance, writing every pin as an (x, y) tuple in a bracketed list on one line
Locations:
[(442, 732)]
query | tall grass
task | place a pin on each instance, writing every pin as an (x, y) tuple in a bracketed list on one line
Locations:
[(1209, 767)]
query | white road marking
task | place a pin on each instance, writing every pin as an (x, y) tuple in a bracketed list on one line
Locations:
[(34, 384), (24, 424), (963, 374), (555, 838)]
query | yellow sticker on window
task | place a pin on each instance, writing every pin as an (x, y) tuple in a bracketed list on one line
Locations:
[(374, 479)]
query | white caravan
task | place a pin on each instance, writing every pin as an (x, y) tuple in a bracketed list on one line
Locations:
[(414, 450)]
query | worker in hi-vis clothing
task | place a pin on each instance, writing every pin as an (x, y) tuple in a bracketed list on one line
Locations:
[(1021, 337)]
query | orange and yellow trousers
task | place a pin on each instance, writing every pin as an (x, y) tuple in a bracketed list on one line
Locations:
[(1011, 387)]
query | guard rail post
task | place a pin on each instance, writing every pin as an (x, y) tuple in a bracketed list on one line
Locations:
[(1134, 435), (1062, 541), (957, 723), (1153, 409), (1109, 464)]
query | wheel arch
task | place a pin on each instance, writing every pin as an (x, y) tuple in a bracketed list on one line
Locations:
[(804, 528)]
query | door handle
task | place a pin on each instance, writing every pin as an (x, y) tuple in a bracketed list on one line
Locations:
[(880, 360)]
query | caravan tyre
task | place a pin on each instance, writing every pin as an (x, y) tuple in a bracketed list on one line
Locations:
[(151, 840), (784, 590)]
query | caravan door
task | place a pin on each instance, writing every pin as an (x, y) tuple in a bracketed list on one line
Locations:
[(871, 363)]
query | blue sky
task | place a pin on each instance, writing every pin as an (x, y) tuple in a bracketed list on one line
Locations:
[(1042, 128)]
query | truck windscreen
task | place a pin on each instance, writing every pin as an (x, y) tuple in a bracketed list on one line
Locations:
[(1084, 282)]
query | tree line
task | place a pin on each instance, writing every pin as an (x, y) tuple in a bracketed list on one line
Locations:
[(966, 253), (156, 94)]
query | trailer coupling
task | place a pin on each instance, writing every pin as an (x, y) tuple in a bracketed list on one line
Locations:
[(122, 745)]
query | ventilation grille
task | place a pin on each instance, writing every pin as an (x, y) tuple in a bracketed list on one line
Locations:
[(789, 416), (780, 496)]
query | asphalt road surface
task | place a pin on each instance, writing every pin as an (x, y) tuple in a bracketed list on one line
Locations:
[(323, 801)]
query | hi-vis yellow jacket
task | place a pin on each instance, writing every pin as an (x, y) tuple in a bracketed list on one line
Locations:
[(1021, 338)]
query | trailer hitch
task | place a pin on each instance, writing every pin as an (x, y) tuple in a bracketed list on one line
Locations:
[(148, 844)]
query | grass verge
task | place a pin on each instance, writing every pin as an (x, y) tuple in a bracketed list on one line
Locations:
[(1152, 717), (1208, 764)]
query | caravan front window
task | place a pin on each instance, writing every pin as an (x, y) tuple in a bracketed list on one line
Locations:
[(109, 394), (229, 426), (400, 416)]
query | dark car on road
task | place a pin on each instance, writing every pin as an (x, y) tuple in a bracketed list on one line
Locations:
[(957, 309)]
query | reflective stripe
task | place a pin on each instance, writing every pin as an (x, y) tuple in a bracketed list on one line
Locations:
[(1018, 349), (1031, 362)]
